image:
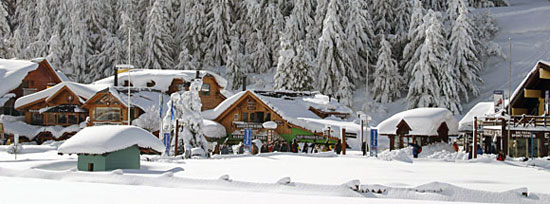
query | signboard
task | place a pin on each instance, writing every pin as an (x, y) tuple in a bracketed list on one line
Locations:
[(373, 142), (239, 125), (247, 139), (310, 137), (351, 135), (498, 96), (166, 141)]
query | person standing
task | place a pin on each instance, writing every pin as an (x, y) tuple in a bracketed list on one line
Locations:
[(455, 146), (338, 147), (364, 148), (305, 148), (416, 149)]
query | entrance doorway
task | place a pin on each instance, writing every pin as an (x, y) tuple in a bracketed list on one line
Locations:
[(90, 166)]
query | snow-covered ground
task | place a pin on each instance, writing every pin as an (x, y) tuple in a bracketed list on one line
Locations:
[(278, 177)]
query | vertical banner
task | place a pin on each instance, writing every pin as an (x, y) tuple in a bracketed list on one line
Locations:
[(245, 137), (498, 96), (373, 142), (546, 102), (166, 139)]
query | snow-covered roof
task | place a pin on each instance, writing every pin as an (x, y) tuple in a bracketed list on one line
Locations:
[(12, 72), (422, 121), (17, 125), (84, 91), (143, 99), (481, 109), (523, 83), (162, 78), (109, 138), (295, 109)]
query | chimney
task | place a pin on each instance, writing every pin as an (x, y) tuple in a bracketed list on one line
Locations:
[(244, 83), (116, 77), (198, 75)]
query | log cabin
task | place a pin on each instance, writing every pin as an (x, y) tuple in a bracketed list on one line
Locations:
[(170, 81), (23, 77), (304, 116)]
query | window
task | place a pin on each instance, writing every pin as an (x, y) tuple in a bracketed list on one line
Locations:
[(268, 117), (260, 117), (81, 117), (236, 118), (151, 83), (245, 117), (51, 118), (205, 90), (107, 114), (252, 117), (72, 119), (37, 119), (62, 119)]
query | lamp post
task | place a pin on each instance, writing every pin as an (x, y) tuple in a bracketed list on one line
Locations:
[(129, 68)]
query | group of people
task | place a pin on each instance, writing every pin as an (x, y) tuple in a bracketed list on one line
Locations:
[(280, 145)]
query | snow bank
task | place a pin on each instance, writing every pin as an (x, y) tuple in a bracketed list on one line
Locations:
[(403, 155), (109, 138), (12, 72), (438, 151), (422, 121)]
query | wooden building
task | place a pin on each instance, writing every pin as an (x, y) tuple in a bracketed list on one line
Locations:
[(297, 114), (423, 125), (528, 126), (171, 81), (23, 77)]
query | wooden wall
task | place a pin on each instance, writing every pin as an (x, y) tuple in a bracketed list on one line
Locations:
[(39, 79)]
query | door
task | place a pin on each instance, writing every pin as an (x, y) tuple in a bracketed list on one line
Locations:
[(90, 166)]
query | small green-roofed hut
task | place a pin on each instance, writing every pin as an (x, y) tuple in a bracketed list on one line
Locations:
[(109, 147)]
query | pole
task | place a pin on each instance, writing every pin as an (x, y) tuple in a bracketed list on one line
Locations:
[(363, 149), (474, 142), (160, 114), (343, 141), (509, 97), (177, 130)]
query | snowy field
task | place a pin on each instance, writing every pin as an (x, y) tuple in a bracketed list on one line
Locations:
[(278, 177)]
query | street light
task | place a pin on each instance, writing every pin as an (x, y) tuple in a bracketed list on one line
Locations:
[(129, 68)]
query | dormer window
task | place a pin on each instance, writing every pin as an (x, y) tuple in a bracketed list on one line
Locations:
[(151, 83), (205, 89)]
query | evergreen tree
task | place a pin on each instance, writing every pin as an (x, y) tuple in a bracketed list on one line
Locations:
[(5, 34), (424, 89), (416, 36), (383, 16), (234, 60), (388, 82), (345, 91), (79, 42), (463, 55), (157, 52), (360, 35), (217, 29), (55, 51), (334, 61)]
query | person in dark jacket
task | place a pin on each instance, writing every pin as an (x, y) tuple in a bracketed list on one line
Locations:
[(479, 150), (501, 156), (284, 147), (338, 147), (294, 146), (224, 149), (241, 148), (416, 149), (312, 147), (364, 148), (305, 148)]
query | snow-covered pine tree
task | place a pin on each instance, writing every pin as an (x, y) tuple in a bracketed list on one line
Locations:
[(333, 59), (187, 61), (402, 11), (130, 26), (79, 42), (261, 58), (63, 29), (26, 28), (39, 45), (217, 29), (424, 86), (157, 51), (55, 51), (383, 17), (416, 36), (317, 30), (388, 83), (463, 55), (193, 35), (233, 68), (485, 30), (5, 34), (104, 47), (436, 5), (345, 91), (360, 34)]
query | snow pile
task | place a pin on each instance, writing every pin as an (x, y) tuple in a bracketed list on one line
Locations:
[(213, 129), (6, 98), (12, 72), (422, 121), (12, 149), (109, 138), (543, 163), (404, 155), (162, 79)]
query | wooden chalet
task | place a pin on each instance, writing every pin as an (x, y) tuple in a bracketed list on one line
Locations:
[(23, 77), (423, 125), (528, 125), (296, 116), (171, 81)]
